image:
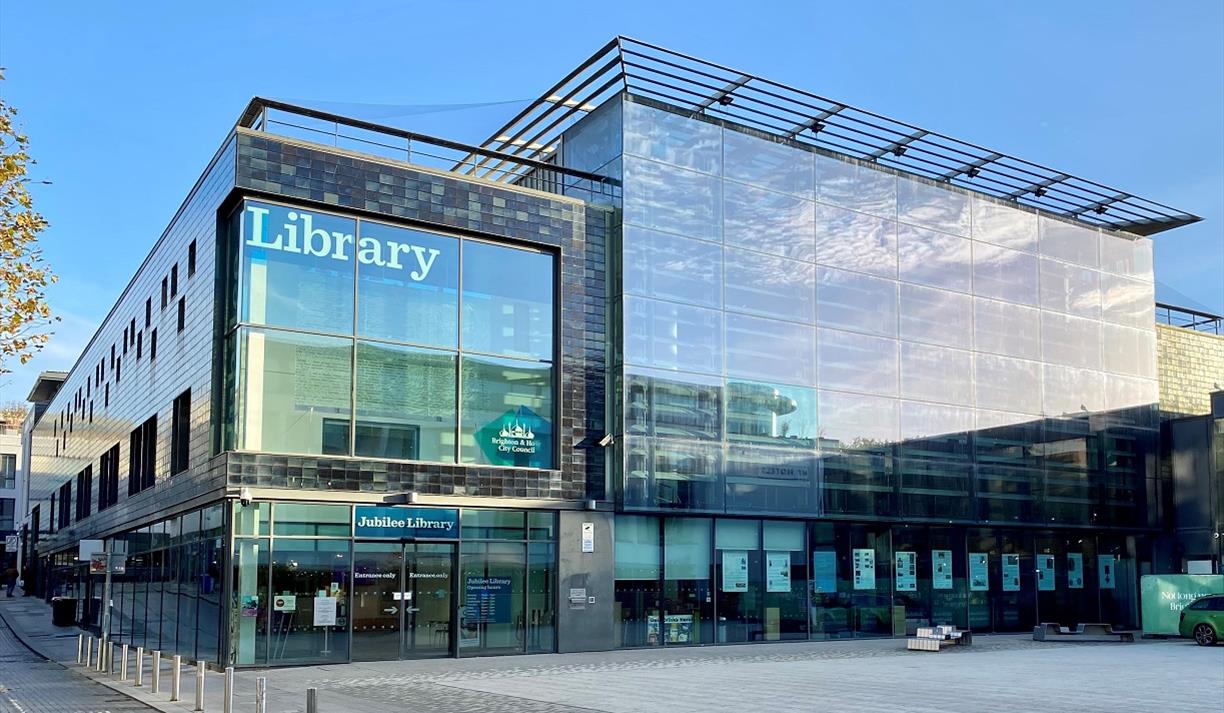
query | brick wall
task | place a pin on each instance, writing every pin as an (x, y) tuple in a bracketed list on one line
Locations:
[(1190, 365)]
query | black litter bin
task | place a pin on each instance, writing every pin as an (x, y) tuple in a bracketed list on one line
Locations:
[(63, 611)]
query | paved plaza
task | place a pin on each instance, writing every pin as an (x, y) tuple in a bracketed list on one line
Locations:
[(998, 673)]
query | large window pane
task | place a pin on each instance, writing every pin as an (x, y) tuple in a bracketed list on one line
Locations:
[(1005, 384), (856, 362), (294, 392), (1072, 392), (1004, 274), (1127, 256), (1073, 243), (771, 222), (771, 414), (767, 164), (408, 287), (317, 572), (856, 241), (1005, 328), (1129, 351), (933, 207), (1070, 288), (774, 480), (1070, 341), (769, 349), (507, 300), (312, 520), (856, 421), (1126, 301), (672, 199), (853, 185), (672, 138), (770, 286), (671, 474), (673, 336), (672, 268), (857, 302), (507, 408), (936, 316), (405, 403), (297, 268), (1001, 225), (673, 405), (934, 258), (936, 374)]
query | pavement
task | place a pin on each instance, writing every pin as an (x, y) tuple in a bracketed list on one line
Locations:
[(1003, 673)]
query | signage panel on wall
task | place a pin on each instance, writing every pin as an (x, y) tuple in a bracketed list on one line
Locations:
[(1045, 573), (1075, 570), (824, 572), (588, 537), (1105, 571), (397, 523), (907, 571), (777, 572), (734, 571), (864, 568), (1011, 573), (941, 569), (1163, 596), (519, 437), (979, 571)]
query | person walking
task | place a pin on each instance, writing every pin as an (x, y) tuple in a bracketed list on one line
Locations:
[(10, 579)]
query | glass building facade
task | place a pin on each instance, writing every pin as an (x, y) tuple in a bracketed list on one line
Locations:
[(926, 379), (713, 384)]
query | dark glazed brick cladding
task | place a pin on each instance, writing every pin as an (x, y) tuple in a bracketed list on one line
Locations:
[(306, 173)]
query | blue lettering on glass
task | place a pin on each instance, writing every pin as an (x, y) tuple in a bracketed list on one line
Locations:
[(299, 235), (395, 523)]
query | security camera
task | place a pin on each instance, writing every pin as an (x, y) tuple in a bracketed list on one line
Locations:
[(244, 496), (607, 440)]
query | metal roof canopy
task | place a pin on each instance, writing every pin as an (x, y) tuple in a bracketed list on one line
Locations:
[(702, 87)]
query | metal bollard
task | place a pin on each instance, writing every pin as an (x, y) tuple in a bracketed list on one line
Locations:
[(227, 699), (89, 651), (261, 695), (123, 658), (155, 686), (199, 698), (176, 676), (97, 666), (110, 658), (139, 665), (80, 647), (312, 700)]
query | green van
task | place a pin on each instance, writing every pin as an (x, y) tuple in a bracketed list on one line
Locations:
[(1203, 619)]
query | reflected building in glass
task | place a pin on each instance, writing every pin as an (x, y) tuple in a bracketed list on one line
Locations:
[(657, 364)]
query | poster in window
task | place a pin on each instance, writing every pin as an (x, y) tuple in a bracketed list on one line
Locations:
[(679, 628), (777, 572), (1045, 573), (941, 569), (325, 611), (1075, 570), (979, 572), (907, 571), (864, 568), (1105, 571), (1011, 573), (734, 571), (824, 572)]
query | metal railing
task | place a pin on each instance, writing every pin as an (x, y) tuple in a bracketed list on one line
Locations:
[(328, 129), (1188, 318)]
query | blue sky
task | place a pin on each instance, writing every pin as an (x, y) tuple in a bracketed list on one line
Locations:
[(126, 102)]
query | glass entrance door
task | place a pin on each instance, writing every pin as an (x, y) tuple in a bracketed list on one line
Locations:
[(428, 613), (402, 596)]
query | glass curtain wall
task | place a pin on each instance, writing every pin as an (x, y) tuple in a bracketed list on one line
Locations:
[(294, 586), (169, 597), (693, 581), (355, 337), (801, 334)]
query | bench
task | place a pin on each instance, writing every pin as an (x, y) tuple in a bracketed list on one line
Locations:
[(935, 638), (1049, 631)]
